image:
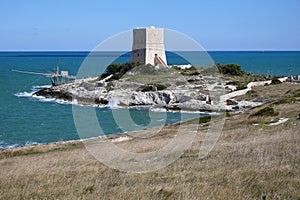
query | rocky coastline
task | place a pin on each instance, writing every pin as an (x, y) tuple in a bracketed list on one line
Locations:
[(191, 95)]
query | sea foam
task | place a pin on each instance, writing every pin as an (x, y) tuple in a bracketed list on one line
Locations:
[(41, 98)]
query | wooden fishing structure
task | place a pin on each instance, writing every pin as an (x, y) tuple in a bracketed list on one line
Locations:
[(56, 77)]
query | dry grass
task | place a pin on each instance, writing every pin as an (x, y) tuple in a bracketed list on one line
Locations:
[(270, 92), (248, 162)]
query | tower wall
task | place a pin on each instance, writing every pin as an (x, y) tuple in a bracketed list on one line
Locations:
[(148, 46)]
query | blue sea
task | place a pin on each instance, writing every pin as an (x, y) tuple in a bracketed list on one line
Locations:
[(25, 120)]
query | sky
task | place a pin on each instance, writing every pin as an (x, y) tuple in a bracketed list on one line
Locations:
[(75, 25)]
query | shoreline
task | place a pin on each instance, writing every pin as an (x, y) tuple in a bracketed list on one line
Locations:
[(109, 138), (80, 140)]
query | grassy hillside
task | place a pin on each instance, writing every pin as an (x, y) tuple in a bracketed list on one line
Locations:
[(253, 159)]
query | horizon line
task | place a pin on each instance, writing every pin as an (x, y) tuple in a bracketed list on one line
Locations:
[(85, 50)]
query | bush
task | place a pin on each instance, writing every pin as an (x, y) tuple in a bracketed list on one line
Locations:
[(275, 81), (285, 100), (160, 86), (296, 93), (204, 119), (118, 70), (227, 114), (251, 93), (177, 68), (231, 69), (239, 85), (233, 83), (190, 72), (148, 88), (267, 111)]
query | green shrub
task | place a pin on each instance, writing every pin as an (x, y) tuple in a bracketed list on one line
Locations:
[(239, 85), (177, 68), (160, 86), (231, 69), (251, 93), (296, 93), (150, 86), (267, 111), (227, 114), (147, 89), (285, 100), (204, 119), (190, 72), (195, 73), (275, 81), (118, 70), (233, 83)]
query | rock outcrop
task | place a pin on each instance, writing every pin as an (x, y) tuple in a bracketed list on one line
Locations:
[(186, 96)]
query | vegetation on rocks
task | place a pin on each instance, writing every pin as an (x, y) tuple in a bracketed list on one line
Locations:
[(148, 88), (275, 81), (159, 86), (192, 71), (118, 70), (153, 87), (239, 84)]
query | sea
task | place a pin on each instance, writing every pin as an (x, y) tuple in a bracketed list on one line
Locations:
[(26, 119)]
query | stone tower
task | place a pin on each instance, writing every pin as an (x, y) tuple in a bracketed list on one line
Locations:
[(148, 46)]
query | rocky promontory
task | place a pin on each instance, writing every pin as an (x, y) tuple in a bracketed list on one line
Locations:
[(171, 89)]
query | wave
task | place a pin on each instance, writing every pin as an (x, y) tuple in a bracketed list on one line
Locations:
[(32, 96), (39, 87), (5, 146), (50, 100), (29, 143), (9, 146), (157, 109), (24, 94), (34, 89)]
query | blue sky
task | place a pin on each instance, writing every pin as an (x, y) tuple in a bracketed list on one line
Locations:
[(215, 24)]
